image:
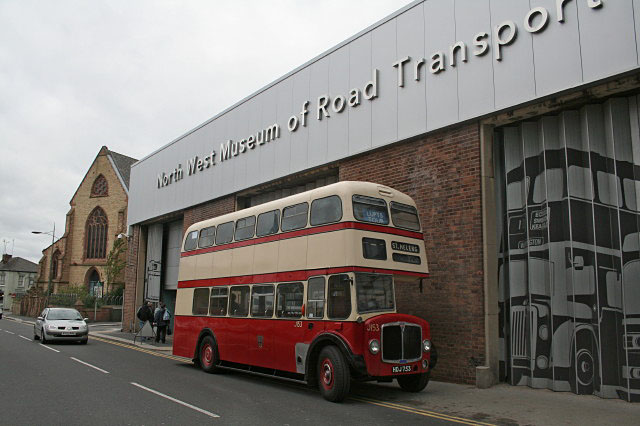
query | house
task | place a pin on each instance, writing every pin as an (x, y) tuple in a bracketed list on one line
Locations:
[(17, 275)]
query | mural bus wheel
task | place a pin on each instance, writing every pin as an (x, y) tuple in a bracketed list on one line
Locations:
[(334, 377)]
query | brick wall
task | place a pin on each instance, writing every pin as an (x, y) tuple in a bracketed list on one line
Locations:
[(130, 273), (442, 174), (208, 210)]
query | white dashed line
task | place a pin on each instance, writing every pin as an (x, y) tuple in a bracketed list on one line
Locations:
[(51, 349), (10, 332), (89, 365), (25, 338), (193, 407)]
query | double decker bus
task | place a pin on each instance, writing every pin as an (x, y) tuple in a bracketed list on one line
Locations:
[(303, 288)]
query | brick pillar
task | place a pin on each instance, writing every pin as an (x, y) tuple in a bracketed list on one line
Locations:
[(130, 279)]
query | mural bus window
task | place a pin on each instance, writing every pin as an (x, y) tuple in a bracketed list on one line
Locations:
[(315, 298), (200, 301), (405, 216), (218, 301), (290, 300), (339, 297), (262, 301), (369, 209)]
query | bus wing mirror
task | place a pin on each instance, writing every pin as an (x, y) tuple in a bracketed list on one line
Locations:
[(578, 263)]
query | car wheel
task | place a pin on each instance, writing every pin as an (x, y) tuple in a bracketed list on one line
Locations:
[(84, 341), (35, 335), (334, 377), (208, 355), (413, 382)]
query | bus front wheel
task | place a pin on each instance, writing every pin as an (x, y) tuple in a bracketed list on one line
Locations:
[(334, 378), (413, 382), (208, 355)]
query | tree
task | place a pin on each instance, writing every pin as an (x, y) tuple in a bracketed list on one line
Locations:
[(115, 263)]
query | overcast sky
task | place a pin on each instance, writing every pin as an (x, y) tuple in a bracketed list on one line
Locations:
[(133, 75)]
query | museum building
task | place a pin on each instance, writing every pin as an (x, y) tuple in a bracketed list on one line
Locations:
[(515, 127)]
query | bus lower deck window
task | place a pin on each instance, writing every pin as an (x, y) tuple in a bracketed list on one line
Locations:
[(339, 306), (262, 301), (200, 301), (290, 300), (315, 298), (239, 301), (218, 301)]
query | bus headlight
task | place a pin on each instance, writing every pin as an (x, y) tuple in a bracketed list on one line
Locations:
[(543, 332), (426, 345), (374, 346)]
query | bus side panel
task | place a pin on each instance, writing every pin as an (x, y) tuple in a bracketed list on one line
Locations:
[(233, 339), (326, 250), (202, 266), (242, 260), (292, 256), (186, 332), (265, 258), (187, 265), (261, 342)]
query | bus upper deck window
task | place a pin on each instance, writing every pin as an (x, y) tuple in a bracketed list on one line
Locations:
[(268, 223), (225, 233), (339, 306), (290, 300), (326, 210), (191, 242), (405, 216), (294, 217), (245, 228), (369, 209), (207, 235)]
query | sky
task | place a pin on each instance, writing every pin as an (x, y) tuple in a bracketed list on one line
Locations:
[(134, 75)]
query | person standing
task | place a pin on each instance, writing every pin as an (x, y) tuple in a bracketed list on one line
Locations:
[(144, 314), (161, 323)]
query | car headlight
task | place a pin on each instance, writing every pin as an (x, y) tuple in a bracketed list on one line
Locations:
[(51, 327), (374, 346), (426, 345)]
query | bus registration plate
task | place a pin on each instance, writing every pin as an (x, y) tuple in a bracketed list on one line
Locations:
[(401, 369)]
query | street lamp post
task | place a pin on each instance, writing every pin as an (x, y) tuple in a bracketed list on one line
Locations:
[(53, 240)]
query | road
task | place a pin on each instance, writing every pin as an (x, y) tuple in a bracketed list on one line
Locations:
[(106, 383)]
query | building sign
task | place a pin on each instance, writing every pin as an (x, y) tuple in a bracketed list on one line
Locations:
[(502, 35)]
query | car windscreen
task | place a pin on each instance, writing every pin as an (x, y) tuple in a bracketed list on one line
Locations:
[(64, 314)]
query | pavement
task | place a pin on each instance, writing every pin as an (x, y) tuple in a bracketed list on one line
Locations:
[(501, 404)]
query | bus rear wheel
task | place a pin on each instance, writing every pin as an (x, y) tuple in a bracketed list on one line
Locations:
[(334, 378), (413, 382), (208, 355)]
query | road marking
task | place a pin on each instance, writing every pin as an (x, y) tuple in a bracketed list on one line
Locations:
[(421, 412), (51, 349), (193, 407), (10, 332), (147, 351), (25, 338), (89, 365)]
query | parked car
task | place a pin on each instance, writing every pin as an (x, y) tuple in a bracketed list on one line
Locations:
[(0, 313), (61, 324)]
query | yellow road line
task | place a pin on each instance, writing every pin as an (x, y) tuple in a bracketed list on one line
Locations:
[(147, 351), (385, 404), (421, 412)]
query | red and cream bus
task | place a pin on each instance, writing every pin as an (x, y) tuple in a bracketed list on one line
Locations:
[(302, 288)]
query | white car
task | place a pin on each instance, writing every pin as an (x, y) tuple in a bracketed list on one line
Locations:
[(61, 324)]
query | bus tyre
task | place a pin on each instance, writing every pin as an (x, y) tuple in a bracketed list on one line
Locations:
[(334, 378), (414, 382), (208, 355)]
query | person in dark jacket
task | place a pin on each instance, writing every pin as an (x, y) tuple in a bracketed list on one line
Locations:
[(160, 323), (144, 314)]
